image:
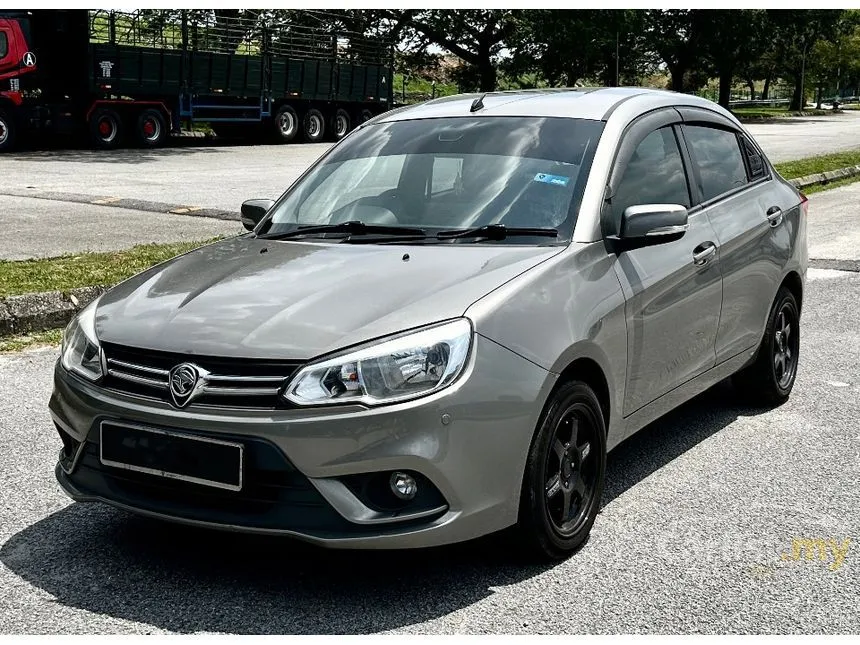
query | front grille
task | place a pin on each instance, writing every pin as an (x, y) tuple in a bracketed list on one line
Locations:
[(231, 382)]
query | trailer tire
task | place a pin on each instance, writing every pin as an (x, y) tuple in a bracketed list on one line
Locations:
[(363, 116), (151, 129), (105, 128), (8, 130), (313, 126), (341, 124), (285, 125)]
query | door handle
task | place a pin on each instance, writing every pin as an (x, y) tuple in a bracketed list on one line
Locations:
[(704, 252), (774, 215)]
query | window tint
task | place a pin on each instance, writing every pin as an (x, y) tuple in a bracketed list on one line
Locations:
[(755, 163), (4, 45), (654, 175), (718, 158)]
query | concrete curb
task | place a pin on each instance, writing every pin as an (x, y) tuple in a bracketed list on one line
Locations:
[(131, 204), (825, 177), (32, 312)]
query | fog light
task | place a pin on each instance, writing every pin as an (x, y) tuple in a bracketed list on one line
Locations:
[(403, 486)]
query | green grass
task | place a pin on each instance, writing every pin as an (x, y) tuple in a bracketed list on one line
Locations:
[(774, 112), (822, 163), (85, 269), (36, 339)]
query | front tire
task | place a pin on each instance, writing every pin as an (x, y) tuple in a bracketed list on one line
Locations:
[(565, 473), (770, 379), (105, 129), (7, 131)]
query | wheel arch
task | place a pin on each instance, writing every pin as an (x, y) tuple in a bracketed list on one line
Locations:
[(589, 371), (794, 283)]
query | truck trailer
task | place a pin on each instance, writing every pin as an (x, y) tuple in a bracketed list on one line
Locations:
[(135, 78)]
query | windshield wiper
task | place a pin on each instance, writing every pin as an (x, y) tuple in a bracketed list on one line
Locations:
[(496, 232), (352, 227)]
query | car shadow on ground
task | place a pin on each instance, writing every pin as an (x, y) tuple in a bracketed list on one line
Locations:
[(181, 579)]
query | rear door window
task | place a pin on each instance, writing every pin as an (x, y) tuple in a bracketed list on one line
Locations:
[(717, 158)]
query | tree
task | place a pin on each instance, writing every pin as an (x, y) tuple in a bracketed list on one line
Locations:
[(566, 46), (476, 36), (734, 37), (677, 36), (795, 32)]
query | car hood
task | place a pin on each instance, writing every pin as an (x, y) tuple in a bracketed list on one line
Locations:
[(257, 298)]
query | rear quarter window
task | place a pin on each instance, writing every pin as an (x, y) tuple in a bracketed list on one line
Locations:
[(4, 44)]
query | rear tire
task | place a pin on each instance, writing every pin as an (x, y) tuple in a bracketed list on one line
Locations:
[(564, 475), (363, 116), (285, 125), (8, 131), (105, 129), (313, 126), (770, 379), (151, 129), (341, 124)]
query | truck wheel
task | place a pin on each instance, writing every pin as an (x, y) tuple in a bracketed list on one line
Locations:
[(285, 124), (340, 125), (313, 126), (7, 131), (151, 129), (105, 128), (363, 116)]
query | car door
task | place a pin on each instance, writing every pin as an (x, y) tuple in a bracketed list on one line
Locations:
[(673, 289), (747, 213)]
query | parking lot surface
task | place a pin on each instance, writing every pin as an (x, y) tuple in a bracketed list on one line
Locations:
[(698, 533)]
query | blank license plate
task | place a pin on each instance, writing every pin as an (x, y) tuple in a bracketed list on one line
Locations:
[(175, 455)]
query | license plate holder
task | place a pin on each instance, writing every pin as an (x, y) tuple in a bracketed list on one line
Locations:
[(172, 454)]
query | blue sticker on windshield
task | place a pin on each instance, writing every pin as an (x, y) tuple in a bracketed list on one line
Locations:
[(557, 180)]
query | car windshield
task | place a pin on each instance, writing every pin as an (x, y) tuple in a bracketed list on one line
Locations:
[(448, 174)]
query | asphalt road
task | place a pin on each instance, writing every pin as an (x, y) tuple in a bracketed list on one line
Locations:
[(33, 228), (698, 512), (222, 177)]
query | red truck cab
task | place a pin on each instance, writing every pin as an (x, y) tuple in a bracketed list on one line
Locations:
[(16, 60)]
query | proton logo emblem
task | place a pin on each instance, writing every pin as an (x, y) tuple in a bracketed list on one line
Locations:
[(29, 59), (186, 381)]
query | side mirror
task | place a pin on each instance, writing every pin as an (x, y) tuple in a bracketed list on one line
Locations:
[(254, 210), (648, 224)]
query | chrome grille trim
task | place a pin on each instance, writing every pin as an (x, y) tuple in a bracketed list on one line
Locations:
[(146, 375), (143, 380), (241, 391), (138, 368)]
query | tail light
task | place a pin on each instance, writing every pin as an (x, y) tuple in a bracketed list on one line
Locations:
[(804, 204)]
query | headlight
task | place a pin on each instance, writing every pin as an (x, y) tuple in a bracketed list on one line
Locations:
[(404, 367), (80, 351)]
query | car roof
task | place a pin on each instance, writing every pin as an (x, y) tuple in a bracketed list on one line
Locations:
[(578, 103)]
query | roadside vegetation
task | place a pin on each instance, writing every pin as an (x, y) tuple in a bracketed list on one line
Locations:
[(821, 163), (85, 269), (30, 341)]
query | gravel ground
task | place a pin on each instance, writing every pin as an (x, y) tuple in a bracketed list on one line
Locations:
[(698, 511)]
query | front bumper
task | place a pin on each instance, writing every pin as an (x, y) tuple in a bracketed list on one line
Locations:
[(301, 462)]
